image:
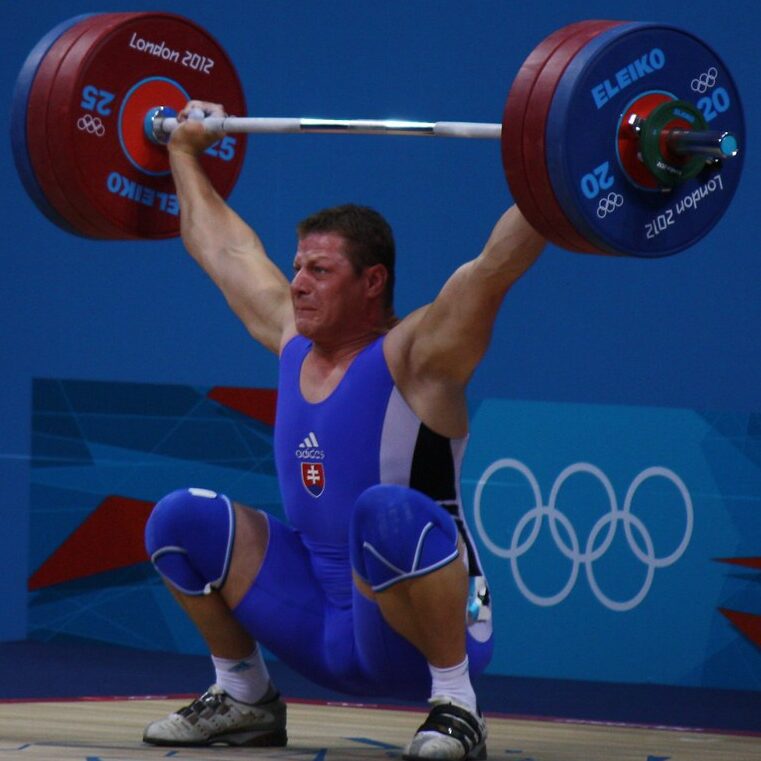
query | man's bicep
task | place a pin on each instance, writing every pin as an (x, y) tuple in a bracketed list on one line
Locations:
[(447, 338), (456, 328)]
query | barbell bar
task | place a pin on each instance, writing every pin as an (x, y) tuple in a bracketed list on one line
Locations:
[(613, 135), (160, 125)]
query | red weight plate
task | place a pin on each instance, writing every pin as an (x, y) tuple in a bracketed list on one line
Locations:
[(513, 128), (109, 168), (43, 162), (19, 112), (535, 131)]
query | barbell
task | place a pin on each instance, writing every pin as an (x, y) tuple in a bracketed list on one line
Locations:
[(616, 137)]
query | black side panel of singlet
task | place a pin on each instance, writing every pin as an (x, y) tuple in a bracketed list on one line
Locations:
[(433, 474), (432, 469)]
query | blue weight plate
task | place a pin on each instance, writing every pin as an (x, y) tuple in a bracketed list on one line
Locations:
[(605, 77), (18, 126)]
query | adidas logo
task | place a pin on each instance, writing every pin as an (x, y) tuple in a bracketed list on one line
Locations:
[(309, 441), (309, 449)]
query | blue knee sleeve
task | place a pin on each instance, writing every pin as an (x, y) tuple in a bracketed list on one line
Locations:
[(398, 533), (189, 538)]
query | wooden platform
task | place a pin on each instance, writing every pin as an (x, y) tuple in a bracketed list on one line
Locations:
[(110, 730)]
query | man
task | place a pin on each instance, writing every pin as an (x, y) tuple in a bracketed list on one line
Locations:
[(375, 587)]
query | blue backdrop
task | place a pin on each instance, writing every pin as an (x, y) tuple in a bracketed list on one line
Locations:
[(623, 363)]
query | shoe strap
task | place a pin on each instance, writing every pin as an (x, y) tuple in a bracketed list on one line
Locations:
[(207, 700), (455, 722)]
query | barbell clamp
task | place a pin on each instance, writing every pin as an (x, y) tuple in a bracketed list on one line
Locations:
[(153, 124)]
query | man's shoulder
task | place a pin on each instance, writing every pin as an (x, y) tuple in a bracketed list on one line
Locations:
[(403, 331), (401, 345)]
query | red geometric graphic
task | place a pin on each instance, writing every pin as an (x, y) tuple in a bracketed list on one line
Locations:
[(746, 562), (257, 403), (111, 537), (748, 623)]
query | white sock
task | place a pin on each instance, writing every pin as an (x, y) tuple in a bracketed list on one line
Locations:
[(246, 679), (453, 682)]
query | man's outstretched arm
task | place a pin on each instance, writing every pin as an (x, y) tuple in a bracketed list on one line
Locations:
[(434, 351), (225, 246)]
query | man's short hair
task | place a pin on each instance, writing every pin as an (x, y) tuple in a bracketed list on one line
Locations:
[(369, 237)]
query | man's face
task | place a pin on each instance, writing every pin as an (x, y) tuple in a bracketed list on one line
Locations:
[(327, 294)]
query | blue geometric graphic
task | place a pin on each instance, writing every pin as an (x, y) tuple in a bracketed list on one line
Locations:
[(99, 447)]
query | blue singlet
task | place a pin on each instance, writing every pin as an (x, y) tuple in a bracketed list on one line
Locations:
[(303, 605)]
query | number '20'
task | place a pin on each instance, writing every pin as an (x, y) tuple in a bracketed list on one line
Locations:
[(596, 180), (717, 103)]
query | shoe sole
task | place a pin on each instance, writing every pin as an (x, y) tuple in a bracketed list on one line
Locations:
[(276, 739), (477, 754)]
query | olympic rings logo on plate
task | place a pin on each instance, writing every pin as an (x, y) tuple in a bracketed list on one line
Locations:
[(533, 519), (609, 204), (705, 81), (92, 125)]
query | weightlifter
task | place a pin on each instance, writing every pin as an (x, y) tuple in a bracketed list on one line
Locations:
[(374, 587)]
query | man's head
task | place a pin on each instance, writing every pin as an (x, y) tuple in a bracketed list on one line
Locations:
[(368, 237)]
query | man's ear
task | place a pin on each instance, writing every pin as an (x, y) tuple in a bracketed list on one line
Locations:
[(376, 277)]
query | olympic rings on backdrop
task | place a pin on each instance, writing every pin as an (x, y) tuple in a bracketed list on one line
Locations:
[(705, 81), (92, 125), (530, 524)]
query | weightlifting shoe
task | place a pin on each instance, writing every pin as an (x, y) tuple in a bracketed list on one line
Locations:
[(215, 717), (450, 733)]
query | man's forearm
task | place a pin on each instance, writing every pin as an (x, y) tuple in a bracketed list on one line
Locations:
[(512, 248)]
